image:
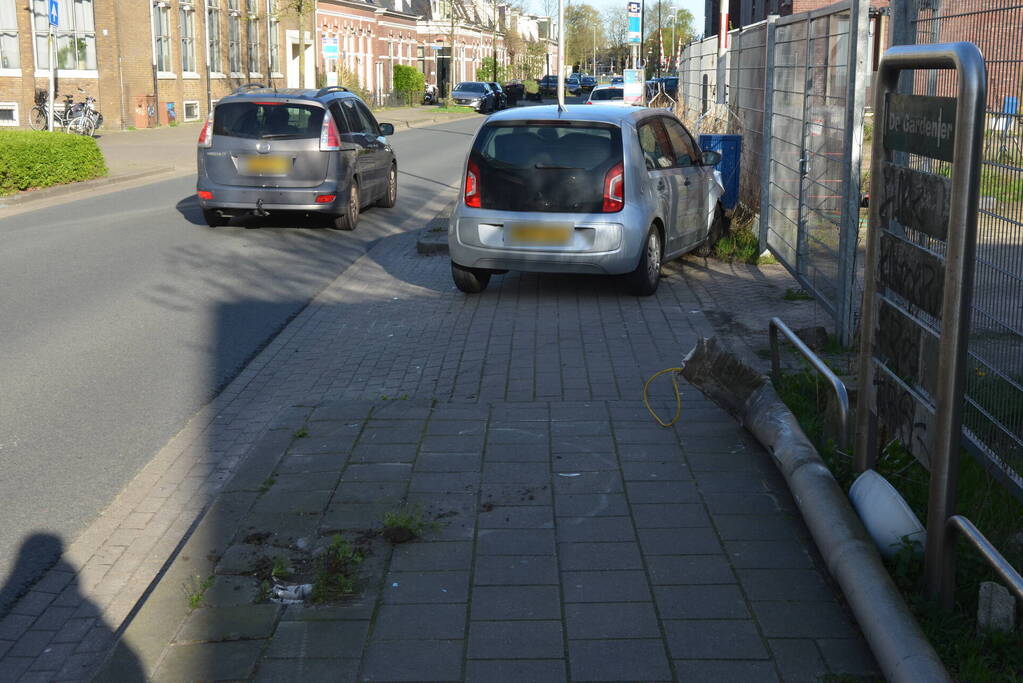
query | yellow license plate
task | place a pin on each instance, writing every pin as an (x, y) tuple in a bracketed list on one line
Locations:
[(265, 164), (539, 235)]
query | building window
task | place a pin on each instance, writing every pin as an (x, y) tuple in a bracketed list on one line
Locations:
[(9, 58), (8, 113), (252, 34), (187, 30), (273, 38), (234, 55), (191, 110), (213, 37), (161, 36), (75, 33)]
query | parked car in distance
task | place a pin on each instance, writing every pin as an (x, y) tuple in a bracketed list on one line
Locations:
[(549, 85), (573, 84), (502, 98), (599, 189), (607, 94), (587, 82), (617, 80), (515, 90), (475, 94), (265, 151)]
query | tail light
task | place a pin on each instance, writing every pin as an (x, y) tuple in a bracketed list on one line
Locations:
[(330, 139), (205, 194), (206, 134), (614, 189), (472, 185)]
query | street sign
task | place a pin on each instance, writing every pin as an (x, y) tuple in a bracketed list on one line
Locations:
[(54, 13), (330, 48), (632, 86), (635, 23), (921, 124)]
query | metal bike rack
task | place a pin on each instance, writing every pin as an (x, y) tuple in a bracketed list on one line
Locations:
[(837, 386)]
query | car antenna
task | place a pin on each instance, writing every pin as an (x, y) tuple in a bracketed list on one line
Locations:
[(561, 56)]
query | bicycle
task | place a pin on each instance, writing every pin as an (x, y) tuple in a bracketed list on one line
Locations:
[(38, 118), (83, 119)]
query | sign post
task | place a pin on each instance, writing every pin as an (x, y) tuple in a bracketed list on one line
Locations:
[(918, 279), (635, 36), (53, 14)]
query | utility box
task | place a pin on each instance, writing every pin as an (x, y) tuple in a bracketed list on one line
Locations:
[(730, 148), (145, 111)]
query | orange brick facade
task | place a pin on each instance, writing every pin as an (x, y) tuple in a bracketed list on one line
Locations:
[(147, 61)]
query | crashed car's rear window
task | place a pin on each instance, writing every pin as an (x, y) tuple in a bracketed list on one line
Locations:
[(608, 94), (267, 120), (539, 166)]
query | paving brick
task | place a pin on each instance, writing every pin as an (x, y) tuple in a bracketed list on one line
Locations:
[(33, 603), (307, 670), (745, 503), (31, 644), (413, 660), (803, 620), (760, 527), (599, 556), (670, 515), (515, 640), (618, 660), (515, 671), (378, 472), (515, 542), (370, 492), (611, 620), (662, 492), (605, 586), (688, 541), (443, 482), (798, 660), (511, 570), (426, 587), (516, 517), (701, 602), (583, 462), (777, 554), (209, 661), (714, 639), (53, 618), (848, 656), (14, 625), (500, 603), (448, 462), (590, 504), (668, 470), (515, 494), (516, 472), (52, 659), (607, 529), (355, 515), (785, 584), (242, 622), (732, 671), (411, 557), (539, 453), (311, 639), (420, 622)]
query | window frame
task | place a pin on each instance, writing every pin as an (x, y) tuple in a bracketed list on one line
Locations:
[(13, 107), (273, 38), (40, 32), (13, 66), (252, 37), (234, 39), (214, 37), (661, 139), (186, 39), (695, 156)]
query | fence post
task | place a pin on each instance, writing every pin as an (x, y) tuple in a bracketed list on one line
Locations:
[(765, 157), (852, 146)]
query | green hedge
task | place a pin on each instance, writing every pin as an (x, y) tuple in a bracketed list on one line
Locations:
[(30, 159)]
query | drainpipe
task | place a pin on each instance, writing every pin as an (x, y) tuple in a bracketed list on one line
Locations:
[(152, 45), (206, 51)]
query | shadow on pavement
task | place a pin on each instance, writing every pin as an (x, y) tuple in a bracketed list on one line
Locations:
[(71, 652)]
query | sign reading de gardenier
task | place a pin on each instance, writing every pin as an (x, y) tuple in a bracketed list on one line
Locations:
[(921, 124)]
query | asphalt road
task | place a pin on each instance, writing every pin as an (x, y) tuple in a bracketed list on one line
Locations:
[(123, 314)]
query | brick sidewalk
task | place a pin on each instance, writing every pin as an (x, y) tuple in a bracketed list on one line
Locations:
[(393, 325)]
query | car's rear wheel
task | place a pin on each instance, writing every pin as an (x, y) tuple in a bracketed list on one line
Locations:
[(718, 229), (213, 218), (350, 218), (391, 193), (469, 280), (644, 279)]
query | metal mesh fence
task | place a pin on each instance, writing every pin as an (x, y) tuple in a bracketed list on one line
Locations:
[(697, 79), (993, 412), (746, 73)]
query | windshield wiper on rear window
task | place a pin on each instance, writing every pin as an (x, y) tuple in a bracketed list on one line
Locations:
[(279, 136), (555, 167)]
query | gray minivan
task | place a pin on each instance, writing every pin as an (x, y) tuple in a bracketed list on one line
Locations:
[(266, 150)]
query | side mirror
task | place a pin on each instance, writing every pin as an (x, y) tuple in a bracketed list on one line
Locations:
[(386, 129), (711, 158)]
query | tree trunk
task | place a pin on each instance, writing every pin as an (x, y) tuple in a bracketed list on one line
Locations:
[(301, 46)]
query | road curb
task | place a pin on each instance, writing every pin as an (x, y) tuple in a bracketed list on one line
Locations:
[(29, 196), (429, 122), (433, 239)]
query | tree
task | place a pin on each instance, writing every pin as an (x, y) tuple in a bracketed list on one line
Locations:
[(616, 27), (485, 71), (659, 28), (584, 30)]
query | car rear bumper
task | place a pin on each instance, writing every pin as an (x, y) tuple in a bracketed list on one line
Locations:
[(232, 198), (601, 243)]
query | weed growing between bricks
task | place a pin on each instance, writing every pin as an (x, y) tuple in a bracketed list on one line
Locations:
[(405, 524), (969, 656)]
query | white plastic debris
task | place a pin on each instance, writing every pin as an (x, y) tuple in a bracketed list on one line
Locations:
[(290, 593), (569, 474)]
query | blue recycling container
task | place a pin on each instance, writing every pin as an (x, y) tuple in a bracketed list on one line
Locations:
[(1011, 105), (730, 148)]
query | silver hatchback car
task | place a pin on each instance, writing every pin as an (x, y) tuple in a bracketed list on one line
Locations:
[(268, 150), (590, 189)]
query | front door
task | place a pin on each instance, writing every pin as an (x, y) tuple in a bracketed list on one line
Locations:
[(657, 155)]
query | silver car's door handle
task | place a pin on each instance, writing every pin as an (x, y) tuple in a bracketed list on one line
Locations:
[(688, 182), (660, 185)]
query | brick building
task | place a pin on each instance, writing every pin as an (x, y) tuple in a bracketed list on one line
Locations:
[(153, 61)]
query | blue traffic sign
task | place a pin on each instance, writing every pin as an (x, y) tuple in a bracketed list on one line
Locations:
[(54, 13)]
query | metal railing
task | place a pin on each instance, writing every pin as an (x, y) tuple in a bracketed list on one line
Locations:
[(1006, 572), (836, 384)]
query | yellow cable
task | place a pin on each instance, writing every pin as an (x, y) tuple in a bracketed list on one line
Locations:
[(678, 397)]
